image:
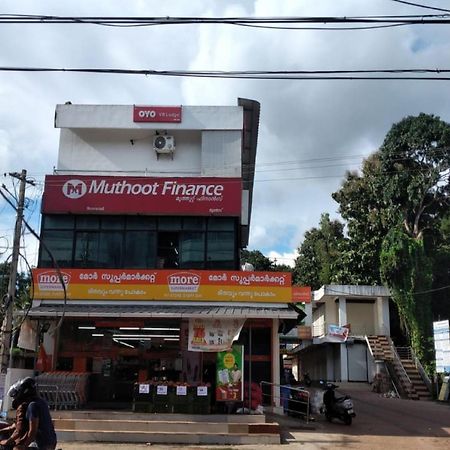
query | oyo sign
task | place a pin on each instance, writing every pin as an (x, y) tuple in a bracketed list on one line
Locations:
[(157, 114), (146, 195)]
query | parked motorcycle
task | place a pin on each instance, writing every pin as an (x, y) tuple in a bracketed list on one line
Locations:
[(339, 407)]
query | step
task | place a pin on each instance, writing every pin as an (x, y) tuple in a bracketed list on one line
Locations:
[(162, 426), (168, 438)]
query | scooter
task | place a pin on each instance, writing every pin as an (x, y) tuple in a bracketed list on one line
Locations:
[(339, 407)]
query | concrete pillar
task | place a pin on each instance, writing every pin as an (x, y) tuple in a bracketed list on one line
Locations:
[(330, 363), (343, 347), (275, 363), (309, 314), (382, 319)]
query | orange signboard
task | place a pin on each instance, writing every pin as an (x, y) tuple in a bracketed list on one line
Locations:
[(176, 285), (301, 294)]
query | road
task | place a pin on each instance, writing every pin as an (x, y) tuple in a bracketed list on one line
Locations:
[(381, 423)]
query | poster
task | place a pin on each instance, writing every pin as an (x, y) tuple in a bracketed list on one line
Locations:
[(230, 374), (441, 334), (213, 335)]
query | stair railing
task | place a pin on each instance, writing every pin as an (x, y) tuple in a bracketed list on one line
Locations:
[(401, 368), (408, 353)]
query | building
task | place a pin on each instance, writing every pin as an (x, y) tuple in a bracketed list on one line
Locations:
[(144, 218)]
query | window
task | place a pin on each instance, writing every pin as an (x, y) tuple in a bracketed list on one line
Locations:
[(86, 249), (60, 244), (140, 250), (140, 242), (221, 250), (192, 250)]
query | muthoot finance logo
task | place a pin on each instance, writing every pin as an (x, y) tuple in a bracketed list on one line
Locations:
[(74, 189), (183, 282)]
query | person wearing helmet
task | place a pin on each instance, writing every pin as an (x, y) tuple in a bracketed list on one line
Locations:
[(37, 425)]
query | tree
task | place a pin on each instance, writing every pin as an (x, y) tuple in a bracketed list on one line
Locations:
[(319, 253), (415, 165), (258, 260)]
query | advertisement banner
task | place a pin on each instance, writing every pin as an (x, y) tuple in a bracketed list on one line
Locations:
[(213, 335), (157, 114), (441, 334), (177, 285), (230, 375), (301, 294), (141, 195), (337, 333)]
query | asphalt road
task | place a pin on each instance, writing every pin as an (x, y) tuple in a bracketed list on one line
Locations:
[(381, 423)]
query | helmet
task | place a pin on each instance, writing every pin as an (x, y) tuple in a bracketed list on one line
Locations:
[(23, 388)]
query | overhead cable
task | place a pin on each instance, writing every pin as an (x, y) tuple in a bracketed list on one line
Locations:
[(391, 74)]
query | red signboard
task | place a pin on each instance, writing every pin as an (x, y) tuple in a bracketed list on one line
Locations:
[(301, 294), (142, 195), (157, 113)]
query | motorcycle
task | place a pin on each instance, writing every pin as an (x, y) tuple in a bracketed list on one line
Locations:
[(339, 407)]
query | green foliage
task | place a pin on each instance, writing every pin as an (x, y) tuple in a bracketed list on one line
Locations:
[(257, 259), (319, 253), (407, 271)]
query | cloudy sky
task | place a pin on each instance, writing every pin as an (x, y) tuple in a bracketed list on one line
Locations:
[(311, 132)]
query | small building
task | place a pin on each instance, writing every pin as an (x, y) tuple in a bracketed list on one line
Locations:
[(334, 337)]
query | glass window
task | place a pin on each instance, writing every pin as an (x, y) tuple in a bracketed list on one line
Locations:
[(86, 249), (113, 223), (169, 223), (221, 224), (140, 250), (167, 252), (60, 244), (220, 250), (192, 250), (110, 250), (194, 223), (88, 222), (141, 223), (58, 222)]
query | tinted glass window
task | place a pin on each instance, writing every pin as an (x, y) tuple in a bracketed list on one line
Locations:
[(113, 223), (86, 249), (110, 250), (192, 250), (58, 222), (194, 223), (168, 250), (140, 250), (221, 223), (60, 245), (220, 250), (87, 222), (169, 223), (141, 223)]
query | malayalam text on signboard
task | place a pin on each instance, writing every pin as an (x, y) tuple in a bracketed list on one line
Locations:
[(179, 285)]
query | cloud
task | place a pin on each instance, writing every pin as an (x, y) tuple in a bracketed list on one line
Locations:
[(311, 132)]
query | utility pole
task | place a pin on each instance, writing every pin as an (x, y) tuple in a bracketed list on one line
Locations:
[(6, 332)]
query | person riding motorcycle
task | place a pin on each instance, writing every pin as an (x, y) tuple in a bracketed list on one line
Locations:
[(33, 422)]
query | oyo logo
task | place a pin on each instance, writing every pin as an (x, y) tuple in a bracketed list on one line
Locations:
[(147, 113), (74, 189), (183, 282)]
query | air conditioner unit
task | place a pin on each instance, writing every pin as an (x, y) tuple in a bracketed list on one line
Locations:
[(163, 144)]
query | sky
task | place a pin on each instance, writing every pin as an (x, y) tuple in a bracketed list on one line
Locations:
[(311, 131)]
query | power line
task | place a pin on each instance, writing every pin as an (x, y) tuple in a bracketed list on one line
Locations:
[(418, 5), (258, 75)]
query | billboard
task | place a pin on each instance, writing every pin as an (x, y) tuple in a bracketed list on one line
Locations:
[(84, 194), (177, 285)]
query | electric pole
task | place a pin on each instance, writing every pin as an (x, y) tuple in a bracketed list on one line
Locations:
[(6, 332)]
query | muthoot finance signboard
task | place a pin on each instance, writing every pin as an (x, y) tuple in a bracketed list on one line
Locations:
[(145, 195), (189, 285)]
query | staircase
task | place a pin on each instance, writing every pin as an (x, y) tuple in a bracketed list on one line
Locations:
[(403, 371), (113, 426)]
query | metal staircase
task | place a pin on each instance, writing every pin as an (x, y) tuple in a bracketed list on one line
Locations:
[(405, 371)]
